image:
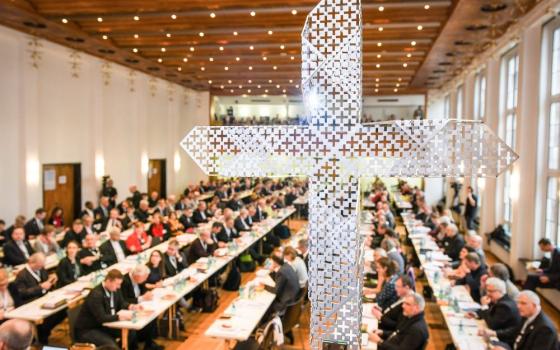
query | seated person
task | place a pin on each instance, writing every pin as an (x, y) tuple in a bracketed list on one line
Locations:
[(229, 232), (303, 251), (186, 219), (89, 256), (537, 330), (200, 215), (31, 283), (390, 316), (391, 246), (386, 279), (472, 279), (112, 221), (475, 242), (114, 249), (173, 259), (202, 247), (8, 294), (46, 242), (216, 229), (156, 265), (411, 332), (499, 311), (291, 257), (134, 291), (142, 214), (34, 226), (138, 240), (260, 211), (500, 271), (174, 225), (286, 287), (16, 334), (18, 249), (77, 233), (453, 242), (69, 267), (235, 203), (548, 276), (103, 304), (241, 223), (158, 230)]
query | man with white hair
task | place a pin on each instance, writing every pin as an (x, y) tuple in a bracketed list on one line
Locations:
[(16, 335), (31, 283), (475, 242), (114, 249), (537, 330), (453, 242), (412, 330), (134, 291), (499, 311)]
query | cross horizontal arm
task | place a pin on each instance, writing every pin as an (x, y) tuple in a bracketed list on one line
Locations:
[(430, 148)]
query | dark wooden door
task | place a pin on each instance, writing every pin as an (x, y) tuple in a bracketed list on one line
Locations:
[(62, 188), (157, 177)]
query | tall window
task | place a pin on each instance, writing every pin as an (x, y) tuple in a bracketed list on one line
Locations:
[(459, 104), (551, 44), (508, 113), (480, 95), (446, 107)]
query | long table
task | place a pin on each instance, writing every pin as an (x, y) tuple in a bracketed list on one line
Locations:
[(454, 301), (76, 291), (189, 279)]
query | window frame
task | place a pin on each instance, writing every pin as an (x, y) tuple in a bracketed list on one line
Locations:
[(479, 101), (460, 102), (508, 128), (550, 217)]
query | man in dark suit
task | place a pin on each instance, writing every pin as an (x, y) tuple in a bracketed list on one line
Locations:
[(102, 211), (34, 226), (134, 291), (142, 214), (18, 249), (499, 311), (287, 285), (453, 242), (173, 260), (31, 283), (136, 195), (260, 214), (229, 232), (537, 331), (390, 316), (240, 222), (472, 279), (200, 215), (548, 276), (77, 233), (202, 247), (104, 303), (186, 219), (221, 193), (112, 221), (114, 249), (110, 192), (411, 332), (89, 256), (235, 203)]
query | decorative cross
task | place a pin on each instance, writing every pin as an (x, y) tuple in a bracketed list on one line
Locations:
[(322, 151)]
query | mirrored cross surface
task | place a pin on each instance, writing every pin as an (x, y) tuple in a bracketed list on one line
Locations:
[(334, 151)]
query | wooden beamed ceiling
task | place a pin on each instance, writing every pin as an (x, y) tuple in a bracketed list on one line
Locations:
[(235, 47)]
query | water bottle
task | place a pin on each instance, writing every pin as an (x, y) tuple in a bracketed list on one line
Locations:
[(134, 316), (461, 329), (241, 292)]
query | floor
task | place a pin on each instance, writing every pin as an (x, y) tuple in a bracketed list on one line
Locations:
[(197, 323)]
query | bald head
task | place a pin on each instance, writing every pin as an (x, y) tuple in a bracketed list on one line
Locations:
[(15, 335)]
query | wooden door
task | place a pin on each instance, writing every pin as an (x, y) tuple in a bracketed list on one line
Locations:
[(157, 177), (62, 188)]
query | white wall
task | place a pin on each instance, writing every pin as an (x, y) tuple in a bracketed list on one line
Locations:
[(48, 116), (526, 34)]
